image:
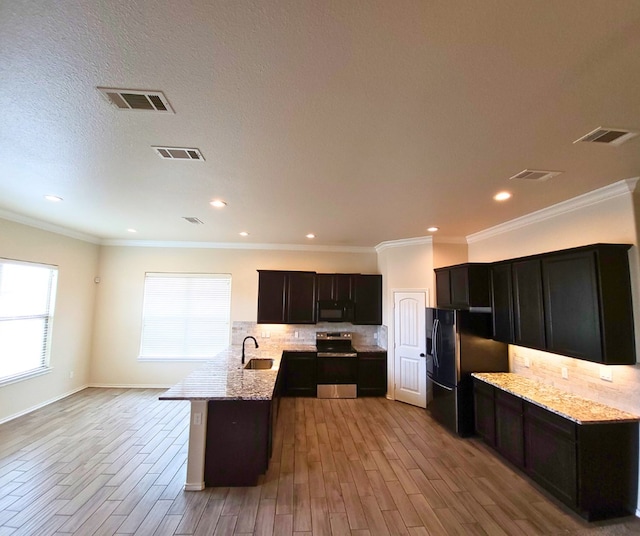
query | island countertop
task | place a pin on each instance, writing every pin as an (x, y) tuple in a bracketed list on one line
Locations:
[(573, 407), (225, 378)]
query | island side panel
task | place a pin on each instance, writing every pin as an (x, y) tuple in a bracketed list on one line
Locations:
[(197, 446)]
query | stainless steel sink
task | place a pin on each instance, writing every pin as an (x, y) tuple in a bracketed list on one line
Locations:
[(259, 364)]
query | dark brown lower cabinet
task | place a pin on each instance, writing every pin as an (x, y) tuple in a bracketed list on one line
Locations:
[(485, 411), (509, 427), (372, 373), (300, 378), (238, 442), (592, 468)]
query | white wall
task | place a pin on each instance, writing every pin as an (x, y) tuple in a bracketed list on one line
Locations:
[(119, 299), (77, 263)]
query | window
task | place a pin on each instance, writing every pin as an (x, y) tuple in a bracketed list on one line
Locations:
[(27, 297), (185, 316)]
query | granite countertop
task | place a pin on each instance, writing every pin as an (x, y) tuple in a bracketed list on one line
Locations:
[(224, 378), (573, 407), (368, 348)]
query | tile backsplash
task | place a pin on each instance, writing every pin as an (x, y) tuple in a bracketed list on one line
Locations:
[(306, 333), (580, 377)]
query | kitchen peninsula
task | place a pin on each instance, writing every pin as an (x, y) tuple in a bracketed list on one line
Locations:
[(243, 400)]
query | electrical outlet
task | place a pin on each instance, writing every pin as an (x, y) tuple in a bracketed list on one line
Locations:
[(527, 361), (295, 334), (197, 419), (375, 336), (70, 374), (565, 373), (606, 374), (267, 334)]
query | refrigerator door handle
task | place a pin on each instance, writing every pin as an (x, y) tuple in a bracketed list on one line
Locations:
[(440, 385), (434, 337)]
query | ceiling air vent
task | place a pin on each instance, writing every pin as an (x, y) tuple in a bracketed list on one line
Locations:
[(193, 219), (134, 99), (179, 153), (608, 136), (535, 175)]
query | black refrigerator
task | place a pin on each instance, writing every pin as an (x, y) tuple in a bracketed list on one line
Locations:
[(459, 343)]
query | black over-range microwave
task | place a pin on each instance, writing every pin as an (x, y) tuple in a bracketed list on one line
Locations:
[(335, 311)]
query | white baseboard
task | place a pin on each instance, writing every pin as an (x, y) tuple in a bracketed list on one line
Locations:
[(194, 487), (129, 386), (42, 404)]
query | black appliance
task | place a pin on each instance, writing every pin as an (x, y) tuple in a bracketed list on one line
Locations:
[(336, 365), (335, 311), (459, 343)]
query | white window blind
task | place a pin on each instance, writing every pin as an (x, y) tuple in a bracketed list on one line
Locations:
[(27, 297), (185, 316)]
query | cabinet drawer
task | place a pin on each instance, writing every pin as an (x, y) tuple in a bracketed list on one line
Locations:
[(561, 426)]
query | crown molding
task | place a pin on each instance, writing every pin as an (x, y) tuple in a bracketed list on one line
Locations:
[(234, 245), (404, 242), (50, 227), (617, 189)]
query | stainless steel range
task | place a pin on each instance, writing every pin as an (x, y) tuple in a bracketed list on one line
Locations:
[(337, 365)]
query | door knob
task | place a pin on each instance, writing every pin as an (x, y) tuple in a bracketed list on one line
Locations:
[(422, 355)]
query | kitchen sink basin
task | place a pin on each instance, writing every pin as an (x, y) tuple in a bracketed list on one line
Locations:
[(259, 364)]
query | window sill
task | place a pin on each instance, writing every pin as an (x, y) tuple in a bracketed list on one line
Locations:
[(25, 376)]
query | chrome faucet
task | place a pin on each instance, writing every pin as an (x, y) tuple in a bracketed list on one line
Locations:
[(245, 340)]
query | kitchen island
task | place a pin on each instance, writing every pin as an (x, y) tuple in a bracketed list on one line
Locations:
[(238, 399), (581, 451)]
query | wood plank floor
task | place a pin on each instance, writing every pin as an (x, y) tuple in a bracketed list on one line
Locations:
[(112, 461)]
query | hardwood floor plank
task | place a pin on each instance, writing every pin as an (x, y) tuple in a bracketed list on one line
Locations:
[(353, 467)]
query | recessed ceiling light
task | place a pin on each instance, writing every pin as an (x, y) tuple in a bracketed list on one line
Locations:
[(131, 231), (244, 233), (53, 198), (311, 235), (502, 196), (433, 229), (218, 203)]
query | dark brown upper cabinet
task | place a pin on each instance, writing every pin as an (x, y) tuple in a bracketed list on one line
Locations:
[(463, 286), (367, 297), (335, 287), (286, 297), (574, 302)]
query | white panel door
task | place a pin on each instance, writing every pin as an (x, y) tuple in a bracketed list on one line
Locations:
[(410, 348)]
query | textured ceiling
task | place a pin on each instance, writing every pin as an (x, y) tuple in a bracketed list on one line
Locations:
[(359, 121)]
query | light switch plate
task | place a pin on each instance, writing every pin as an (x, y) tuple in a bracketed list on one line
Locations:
[(527, 361), (197, 419)]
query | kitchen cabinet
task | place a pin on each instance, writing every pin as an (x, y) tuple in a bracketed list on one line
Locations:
[(367, 297), (299, 374), (588, 309), (571, 461), (509, 427), (528, 309), (485, 411), (372, 373), (574, 302), (502, 302), (463, 286), (238, 433), (335, 287), (286, 297)]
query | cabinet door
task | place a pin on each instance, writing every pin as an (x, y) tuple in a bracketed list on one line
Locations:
[(342, 287), (459, 281), (372, 373), (509, 427), (502, 302), (485, 416), (528, 304), (237, 442), (551, 452), (368, 299), (300, 373), (571, 305), (301, 298), (443, 288), (324, 284), (271, 297)]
